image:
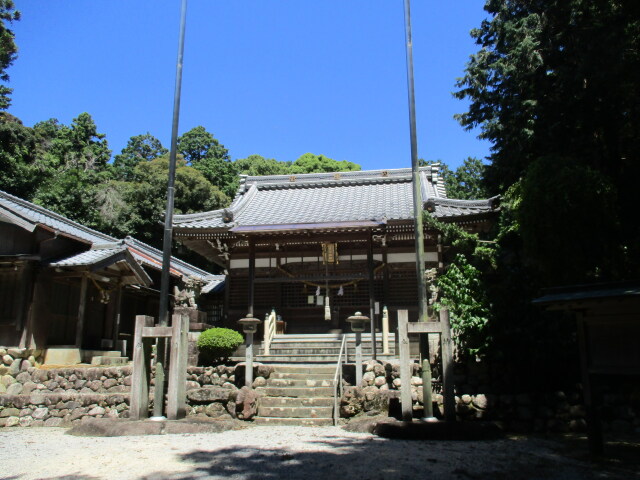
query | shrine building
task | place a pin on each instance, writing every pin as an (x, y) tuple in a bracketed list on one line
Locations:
[(318, 247)]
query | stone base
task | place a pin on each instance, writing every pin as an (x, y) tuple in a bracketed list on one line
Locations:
[(62, 356)]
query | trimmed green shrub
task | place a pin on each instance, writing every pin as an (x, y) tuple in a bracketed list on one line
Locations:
[(216, 344)]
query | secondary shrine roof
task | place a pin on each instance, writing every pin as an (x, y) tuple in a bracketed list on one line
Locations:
[(28, 215), (342, 198)]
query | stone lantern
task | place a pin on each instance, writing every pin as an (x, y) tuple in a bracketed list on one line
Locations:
[(249, 326), (358, 323)]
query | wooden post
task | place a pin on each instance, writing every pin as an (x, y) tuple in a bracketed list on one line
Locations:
[(372, 300), (81, 310), (117, 316), (141, 376), (252, 274), (447, 367), (405, 367), (177, 402)]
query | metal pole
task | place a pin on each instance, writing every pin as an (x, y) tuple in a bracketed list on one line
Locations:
[(168, 226), (417, 212)]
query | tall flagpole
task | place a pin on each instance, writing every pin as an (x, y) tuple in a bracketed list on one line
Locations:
[(417, 213), (158, 399)]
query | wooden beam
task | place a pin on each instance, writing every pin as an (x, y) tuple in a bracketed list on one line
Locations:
[(424, 327), (156, 332), (372, 300), (252, 273)]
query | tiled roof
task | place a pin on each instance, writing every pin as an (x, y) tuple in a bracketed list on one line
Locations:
[(91, 257), (451, 208), (216, 284), (152, 257), (331, 198), (29, 216)]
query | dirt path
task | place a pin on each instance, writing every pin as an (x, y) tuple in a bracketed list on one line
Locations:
[(293, 453)]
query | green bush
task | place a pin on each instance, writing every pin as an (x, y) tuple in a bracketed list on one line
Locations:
[(216, 344)]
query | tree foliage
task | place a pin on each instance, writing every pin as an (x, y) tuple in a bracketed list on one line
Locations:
[(256, 165), (8, 48), (554, 87), (139, 148), (205, 153), (311, 163)]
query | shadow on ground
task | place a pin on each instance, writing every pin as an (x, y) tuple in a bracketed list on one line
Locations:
[(377, 458)]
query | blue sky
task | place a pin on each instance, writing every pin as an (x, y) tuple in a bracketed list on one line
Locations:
[(275, 78)]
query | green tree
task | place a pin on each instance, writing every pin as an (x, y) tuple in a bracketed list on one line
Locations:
[(21, 174), (311, 163), (8, 48), (203, 152), (74, 159), (467, 181), (555, 85), (139, 148), (146, 196), (256, 165)]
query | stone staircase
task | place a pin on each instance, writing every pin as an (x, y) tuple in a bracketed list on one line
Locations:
[(297, 395), (319, 348)]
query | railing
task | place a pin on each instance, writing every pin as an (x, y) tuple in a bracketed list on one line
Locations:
[(337, 382), (269, 331)]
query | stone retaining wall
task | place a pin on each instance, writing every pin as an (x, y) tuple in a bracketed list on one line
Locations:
[(31, 396), (62, 396), (526, 412)]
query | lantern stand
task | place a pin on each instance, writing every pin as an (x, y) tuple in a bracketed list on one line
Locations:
[(249, 327), (358, 322)]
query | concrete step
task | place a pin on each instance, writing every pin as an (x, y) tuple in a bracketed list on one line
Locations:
[(305, 422), (296, 412), (109, 360), (306, 359), (298, 392), (302, 351), (302, 376), (304, 368), (295, 402), (308, 382)]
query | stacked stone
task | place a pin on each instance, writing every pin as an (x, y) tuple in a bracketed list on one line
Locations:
[(59, 409), (69, 380), (220, 375), (15, 360), (550, 412), (213, 393)]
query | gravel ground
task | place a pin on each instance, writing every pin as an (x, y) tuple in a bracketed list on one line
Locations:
[(294, 453)]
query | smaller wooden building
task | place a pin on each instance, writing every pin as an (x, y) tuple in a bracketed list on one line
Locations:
[(608, 327), (69, 289)]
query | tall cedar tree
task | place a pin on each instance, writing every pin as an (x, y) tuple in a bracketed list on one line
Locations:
[(8, 48)]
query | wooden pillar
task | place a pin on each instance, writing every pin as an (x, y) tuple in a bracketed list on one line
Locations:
[(405, 367), (252, 274), (82, 305), (447, 367), (371, 294), (117, 315), (141, 375), (177, 401)]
